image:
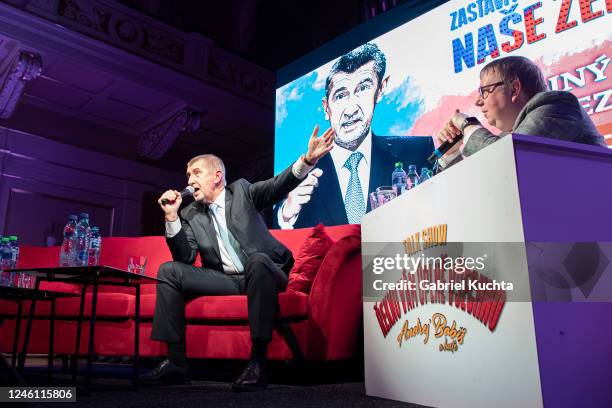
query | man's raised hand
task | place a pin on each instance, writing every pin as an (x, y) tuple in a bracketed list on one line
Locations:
[(319, 146)]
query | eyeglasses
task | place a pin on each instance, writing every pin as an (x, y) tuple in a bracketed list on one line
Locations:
[(485, 90)]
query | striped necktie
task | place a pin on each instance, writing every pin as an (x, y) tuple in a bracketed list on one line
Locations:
[(231, 245), (353, 199)]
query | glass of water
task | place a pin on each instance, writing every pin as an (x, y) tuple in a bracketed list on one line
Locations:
[(137, 264), (385, 194), (26, 280)]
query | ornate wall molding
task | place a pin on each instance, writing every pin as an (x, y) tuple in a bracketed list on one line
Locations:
[(155, 142), (22, 67), (125, 28)]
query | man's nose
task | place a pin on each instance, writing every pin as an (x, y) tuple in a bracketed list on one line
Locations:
[(351, 109), (479, 101)]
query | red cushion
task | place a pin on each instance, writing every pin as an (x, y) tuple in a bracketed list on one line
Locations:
[(109, 305), (293, 239), (292, 305), (309, 259)]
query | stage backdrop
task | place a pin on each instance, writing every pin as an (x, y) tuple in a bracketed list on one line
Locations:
[(433, 64)]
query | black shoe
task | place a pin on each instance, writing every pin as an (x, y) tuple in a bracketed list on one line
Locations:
[(253, 378), (165, 373)]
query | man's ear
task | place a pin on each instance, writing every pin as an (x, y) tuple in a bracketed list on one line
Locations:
[(381, 88), (325, 107), (515, 90), (218, 176)]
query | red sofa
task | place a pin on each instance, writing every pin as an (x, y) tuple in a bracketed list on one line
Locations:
[(325, 322)]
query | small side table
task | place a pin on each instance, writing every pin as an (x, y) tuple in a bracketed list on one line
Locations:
[(19, 295), (93, 276)]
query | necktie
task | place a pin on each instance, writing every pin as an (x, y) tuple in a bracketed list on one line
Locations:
[(353, 200), (230, 243)]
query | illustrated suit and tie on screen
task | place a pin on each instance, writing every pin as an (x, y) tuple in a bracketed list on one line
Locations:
[(336, 191)]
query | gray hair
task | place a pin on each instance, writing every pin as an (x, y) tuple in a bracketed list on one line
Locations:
[(355, 59), (521, 68), (211, 162)]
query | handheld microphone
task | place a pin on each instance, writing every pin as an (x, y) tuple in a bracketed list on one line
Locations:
[(444, 147), (187, 191)]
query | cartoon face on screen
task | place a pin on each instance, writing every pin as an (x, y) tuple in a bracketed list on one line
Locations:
[(353, 87)]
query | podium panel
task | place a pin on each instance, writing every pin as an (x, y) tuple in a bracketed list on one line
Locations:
[(474, 347)]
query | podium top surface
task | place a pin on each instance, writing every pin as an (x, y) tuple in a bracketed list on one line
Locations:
[(554, 144)]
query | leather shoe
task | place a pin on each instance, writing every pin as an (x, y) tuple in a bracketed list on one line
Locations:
[(253, 378), (165, 373)]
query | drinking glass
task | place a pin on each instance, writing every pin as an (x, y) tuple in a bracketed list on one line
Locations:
[(137, 264), (385, 194)]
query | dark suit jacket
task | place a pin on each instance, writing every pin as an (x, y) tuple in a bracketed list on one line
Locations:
[(243, 205), (327, 205)]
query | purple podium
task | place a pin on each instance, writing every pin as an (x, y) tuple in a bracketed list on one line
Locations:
[(492, 282)]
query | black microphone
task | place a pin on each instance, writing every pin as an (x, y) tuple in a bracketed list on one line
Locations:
[(444, 147), (187, 191)]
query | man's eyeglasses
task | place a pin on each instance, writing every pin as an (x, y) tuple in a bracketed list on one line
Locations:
[(485, 90)]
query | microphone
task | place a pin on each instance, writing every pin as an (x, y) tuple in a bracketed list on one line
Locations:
[(444, 147), (187, 191)]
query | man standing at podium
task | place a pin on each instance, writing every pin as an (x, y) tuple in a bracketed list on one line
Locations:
[(514, 98)]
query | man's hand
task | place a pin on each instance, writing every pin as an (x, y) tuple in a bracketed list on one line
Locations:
[(171, 209), (319, 146), (300, 195), (451, 130)]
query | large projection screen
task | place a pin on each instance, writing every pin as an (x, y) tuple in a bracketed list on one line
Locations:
[(432, 68)]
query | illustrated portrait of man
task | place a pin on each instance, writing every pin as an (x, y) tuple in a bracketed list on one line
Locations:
[(336, 191)]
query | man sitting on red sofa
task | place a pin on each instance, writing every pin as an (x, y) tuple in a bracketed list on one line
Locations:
[(239, 255)]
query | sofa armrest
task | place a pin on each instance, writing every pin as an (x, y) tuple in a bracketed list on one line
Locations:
[(335, 310)]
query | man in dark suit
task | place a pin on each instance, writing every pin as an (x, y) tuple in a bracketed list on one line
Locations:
[(239, 255), (514, 97), (337, 190)]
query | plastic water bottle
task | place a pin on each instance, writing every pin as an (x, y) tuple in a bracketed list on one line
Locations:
[(83, 233), (412, 179), (95, 246), (14, 245), (7, 253), (68, 249), (6, 278), (398, 178), (424, 175)]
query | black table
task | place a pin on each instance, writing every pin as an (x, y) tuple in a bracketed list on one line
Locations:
[(90, 276), (19, 295)]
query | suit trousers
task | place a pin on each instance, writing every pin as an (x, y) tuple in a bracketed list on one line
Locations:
[(262, 280)]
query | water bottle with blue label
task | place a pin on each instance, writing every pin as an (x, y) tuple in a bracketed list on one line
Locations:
[(68, 248), (83, 234), (424, 175), (412, 179), (398, 178), (14, 245), (6, 278), (95, 246)]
